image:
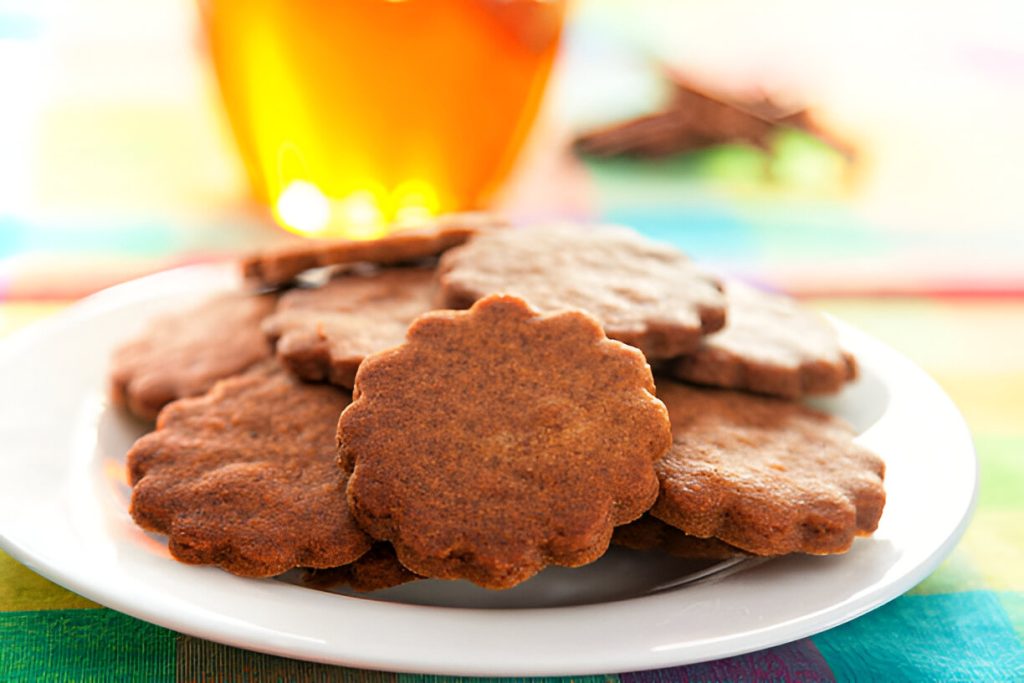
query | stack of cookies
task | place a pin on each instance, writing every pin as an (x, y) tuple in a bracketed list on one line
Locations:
[(473, 401)]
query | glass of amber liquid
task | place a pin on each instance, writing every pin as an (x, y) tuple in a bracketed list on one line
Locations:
[(353, 114)]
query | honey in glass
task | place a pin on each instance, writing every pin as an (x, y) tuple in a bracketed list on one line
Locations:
[(351, 114)]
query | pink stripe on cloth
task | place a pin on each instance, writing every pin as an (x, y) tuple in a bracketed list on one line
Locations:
[(50, 277)]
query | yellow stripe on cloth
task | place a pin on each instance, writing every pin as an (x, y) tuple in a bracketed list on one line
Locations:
[(22, 590), (14, 316)]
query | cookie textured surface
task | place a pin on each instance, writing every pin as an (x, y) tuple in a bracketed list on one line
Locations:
[(770, 345), (645, 294), (765, 475), (282, 264), (650, 533), (184, 353), (378, 569), (497, 441), (323, 334), (246, 477)]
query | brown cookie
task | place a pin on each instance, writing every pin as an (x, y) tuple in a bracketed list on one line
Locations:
[(376, 570), (765, 475), (280, 265), (650, 533), (184, 353), (323, 334), (645, 294), (497, 441), (770, 345), (246, 477), (696, 119), (693, 120)]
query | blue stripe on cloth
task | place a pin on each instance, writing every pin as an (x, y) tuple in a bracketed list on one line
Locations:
[(12, 235), (706, 232), (952, 637), (1013, 603), (18, 25), (148, 237), (798, 661)]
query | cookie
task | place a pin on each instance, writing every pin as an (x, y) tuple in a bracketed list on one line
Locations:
[(280, 265), (768, 476), (323, 334), (497, 441), (376, 570), (650, 533), (645, 294), (246, 477), (693, 120), (184, 353), (697, 119), (770, 345)]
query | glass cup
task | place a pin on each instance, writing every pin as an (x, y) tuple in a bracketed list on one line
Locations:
[(352, 114)]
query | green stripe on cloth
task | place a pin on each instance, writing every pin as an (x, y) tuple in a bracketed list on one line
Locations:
[(21, 589), (957, 637), (202, 661), (957, 574), (991, 555), (83, 645), (1002, 477), (995, 544)]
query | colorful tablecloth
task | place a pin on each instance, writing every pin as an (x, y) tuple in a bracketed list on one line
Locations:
[(100, 184), (965, 622)]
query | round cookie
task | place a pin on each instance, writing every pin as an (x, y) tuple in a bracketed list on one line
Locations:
[(184, 353), (280, 265), (497, 441), (768, 476), (323, 334), (645, 294), (246, 477), (769, 345)]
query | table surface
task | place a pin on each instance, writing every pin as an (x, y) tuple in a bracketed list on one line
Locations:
[(100, 185)]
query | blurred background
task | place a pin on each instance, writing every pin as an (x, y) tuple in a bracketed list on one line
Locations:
[(888, 190), (117, 159)]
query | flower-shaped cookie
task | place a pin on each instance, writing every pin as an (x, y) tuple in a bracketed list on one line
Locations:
[(378, 569), (770, 345), (497, 441), (765, 475), (184, 353), (246, 477), (281, 264), (650, 533), (645, 294), (324, 333)]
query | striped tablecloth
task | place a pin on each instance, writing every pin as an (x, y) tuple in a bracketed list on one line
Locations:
[(966, 621), (105, 186)]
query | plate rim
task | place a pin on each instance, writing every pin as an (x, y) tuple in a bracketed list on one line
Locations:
[(214, 275)]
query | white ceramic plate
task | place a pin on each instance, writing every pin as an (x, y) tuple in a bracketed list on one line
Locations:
[(63, 513)]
